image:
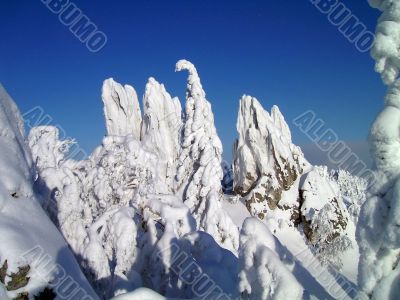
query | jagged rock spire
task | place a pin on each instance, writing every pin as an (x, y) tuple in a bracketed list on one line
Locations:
[(161, 127), (266, 162), (121, 109)]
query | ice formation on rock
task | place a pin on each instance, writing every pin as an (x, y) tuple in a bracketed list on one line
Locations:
[(378, 231), (267, 165), (121, 109), (199, 172), (15, 160)]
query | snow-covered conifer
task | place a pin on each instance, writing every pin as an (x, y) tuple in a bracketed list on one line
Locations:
[(199, 172), (378, 230)]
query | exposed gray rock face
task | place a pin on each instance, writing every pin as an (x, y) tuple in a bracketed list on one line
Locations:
[(267, 165)]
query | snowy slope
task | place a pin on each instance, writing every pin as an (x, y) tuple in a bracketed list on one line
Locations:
[(24, 226)]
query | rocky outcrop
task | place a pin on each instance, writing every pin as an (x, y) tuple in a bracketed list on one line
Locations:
[(267, 165), (121, 109), (161, 127)]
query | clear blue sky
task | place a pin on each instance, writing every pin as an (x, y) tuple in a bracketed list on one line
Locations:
[(283, 52)]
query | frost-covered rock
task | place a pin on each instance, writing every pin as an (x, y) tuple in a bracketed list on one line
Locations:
[(267, 165), (121, 109), (324, 216), (161, 128), (378, 231), (33, 254), (199, 171), (262, 274)]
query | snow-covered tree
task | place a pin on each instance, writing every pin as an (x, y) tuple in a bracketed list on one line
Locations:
[(353, 190), (324, 216), (47, 150), (328, 245), (199, 171), (378, 231)]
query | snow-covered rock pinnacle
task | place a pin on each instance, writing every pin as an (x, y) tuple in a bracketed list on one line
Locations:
[(267, 164), (161, 127), (121, 109), (199, 172)]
